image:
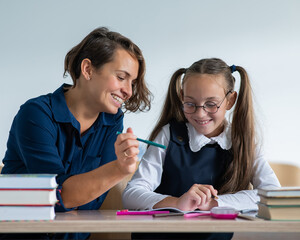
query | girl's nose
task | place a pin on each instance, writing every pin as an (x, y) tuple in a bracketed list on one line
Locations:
[(200, 112)]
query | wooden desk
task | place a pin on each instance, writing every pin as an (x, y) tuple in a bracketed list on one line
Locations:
[(107, 221)]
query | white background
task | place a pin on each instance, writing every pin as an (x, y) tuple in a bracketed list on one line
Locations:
[(263, 36)]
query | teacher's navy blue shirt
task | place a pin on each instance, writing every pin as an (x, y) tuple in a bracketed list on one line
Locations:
[(45, 138)]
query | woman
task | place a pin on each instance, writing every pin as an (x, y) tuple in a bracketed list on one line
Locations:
[(72, 132)]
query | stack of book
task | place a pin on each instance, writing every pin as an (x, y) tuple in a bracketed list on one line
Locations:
[(27, 196), (279, 204)]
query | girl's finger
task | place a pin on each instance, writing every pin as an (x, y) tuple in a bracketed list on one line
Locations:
[(213, 191)]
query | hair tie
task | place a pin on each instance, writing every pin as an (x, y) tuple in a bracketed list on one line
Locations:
[(233, 68)]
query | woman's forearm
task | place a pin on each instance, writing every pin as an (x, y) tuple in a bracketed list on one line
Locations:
[(83, 188)]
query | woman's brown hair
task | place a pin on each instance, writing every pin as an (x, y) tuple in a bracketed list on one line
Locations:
[(240, 171), (100, 46)]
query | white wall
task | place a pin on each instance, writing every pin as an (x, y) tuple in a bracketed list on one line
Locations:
[(262, 36)]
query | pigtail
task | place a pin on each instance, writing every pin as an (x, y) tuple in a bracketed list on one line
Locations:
[(172, 105), (240, 172)]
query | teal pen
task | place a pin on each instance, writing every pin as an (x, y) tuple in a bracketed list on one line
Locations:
[(149, 142)]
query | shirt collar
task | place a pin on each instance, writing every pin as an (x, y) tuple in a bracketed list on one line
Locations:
[(60, 109), (197, 140), (62, 113)]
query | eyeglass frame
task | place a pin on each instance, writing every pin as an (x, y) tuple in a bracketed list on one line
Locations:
[(203, 106)]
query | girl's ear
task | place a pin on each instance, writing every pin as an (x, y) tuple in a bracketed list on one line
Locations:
[(231, 100), (86, 68)]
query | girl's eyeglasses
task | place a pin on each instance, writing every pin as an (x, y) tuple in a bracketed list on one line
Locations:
[(209, 107)]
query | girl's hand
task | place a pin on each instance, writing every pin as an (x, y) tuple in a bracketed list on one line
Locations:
[(198, 196), (127, 149)]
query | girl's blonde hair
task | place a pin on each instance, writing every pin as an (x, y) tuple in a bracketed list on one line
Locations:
[(240, 171)]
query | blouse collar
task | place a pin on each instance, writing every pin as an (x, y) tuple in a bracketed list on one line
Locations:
[(197, 140)]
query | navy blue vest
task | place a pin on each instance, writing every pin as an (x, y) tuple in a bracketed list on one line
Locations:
[(183, 168)]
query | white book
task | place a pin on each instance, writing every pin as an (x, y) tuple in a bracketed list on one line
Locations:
[(28, 196), (28, 181), (280, 192), (26, 213)]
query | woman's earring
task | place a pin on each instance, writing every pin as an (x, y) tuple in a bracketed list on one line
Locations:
[(88, 78)]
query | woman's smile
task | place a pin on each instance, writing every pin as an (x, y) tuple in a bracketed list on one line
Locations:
[(117, 100)]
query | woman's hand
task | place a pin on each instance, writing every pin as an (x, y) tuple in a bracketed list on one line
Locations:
[(198, 197), (127, 150)]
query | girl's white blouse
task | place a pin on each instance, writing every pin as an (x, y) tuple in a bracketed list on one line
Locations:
[(139, 192)]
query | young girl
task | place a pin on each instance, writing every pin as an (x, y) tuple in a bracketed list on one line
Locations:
[(72, 132), (206, 155)]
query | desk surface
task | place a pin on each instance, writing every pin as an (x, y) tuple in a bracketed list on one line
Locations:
[(107, 221)]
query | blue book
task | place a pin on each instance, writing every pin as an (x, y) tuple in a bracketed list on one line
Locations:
[(29, 181)]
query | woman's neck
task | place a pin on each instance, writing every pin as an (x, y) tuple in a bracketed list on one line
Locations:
[(79, 107)]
